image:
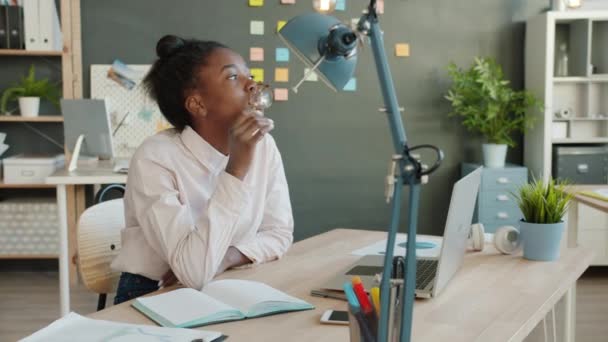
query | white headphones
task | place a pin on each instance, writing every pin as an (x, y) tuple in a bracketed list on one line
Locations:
[(506, 238)]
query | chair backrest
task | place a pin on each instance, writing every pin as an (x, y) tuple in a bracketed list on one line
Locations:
[(98, 243)]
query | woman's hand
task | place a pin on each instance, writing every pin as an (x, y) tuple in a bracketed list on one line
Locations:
[(233, 258), (246, 132), (168, 279)]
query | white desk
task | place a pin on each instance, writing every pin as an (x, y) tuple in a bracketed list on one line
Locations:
[(493, 297), (98, 173)]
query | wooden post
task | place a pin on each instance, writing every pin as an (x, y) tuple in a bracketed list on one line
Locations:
[(71, 70)]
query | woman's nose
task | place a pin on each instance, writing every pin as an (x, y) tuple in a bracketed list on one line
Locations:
[(251, 85)]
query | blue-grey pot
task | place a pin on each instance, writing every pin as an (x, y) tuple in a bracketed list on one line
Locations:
[(541, 241)]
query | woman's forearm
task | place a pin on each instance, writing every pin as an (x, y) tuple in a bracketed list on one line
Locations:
[(233, 258)]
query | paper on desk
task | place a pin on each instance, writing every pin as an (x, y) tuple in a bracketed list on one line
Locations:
[(601, 194), (379, 247), (74, 327)]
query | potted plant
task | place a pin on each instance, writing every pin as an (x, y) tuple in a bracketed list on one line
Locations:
[(488, 105), (29, 92), (543, 206)]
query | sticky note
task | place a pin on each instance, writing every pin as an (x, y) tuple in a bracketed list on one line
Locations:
[(162, 125), (258, 74), (281, 94), (340, 5), (280, 24), (402, 50), (256, 3), (281, 75), (256, 54), (380, 6), (256, 27), (282, 55), (288, 2), (312, 77), (351, 85)]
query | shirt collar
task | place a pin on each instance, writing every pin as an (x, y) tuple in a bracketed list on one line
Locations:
[(206, 154)]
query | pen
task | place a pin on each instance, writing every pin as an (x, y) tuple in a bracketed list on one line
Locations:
[(366, 305), (375, 294), (328, 294)]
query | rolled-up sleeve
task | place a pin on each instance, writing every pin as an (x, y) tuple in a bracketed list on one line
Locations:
[(193, 249), (275, 234)]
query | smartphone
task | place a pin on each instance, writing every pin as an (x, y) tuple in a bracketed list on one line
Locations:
[(335, 317)]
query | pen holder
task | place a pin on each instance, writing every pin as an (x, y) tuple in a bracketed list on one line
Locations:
[(354, 329), (358, 332)]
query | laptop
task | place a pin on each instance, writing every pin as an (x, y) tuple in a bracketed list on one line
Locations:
[(432, 273)]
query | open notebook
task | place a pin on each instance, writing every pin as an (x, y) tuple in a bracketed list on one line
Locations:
[(219, 301)]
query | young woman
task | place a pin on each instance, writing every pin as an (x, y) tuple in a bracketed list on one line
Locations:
[(211, 193)]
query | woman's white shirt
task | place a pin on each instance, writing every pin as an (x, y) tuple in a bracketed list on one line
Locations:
[(183, 211)]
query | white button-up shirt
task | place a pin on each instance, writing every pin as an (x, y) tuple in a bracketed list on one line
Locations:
[(183, 211)]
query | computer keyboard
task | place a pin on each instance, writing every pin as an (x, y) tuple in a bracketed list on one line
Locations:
[(425, 272), (121, 166)]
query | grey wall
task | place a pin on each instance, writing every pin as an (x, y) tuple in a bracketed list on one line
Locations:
[(336, 146)]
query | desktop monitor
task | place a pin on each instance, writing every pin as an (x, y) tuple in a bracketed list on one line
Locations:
[(87, 120)]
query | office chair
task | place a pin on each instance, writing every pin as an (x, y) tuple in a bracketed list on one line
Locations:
[(98, 238)]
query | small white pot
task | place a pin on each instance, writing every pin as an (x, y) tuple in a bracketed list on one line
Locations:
[(29, 106), (494, 155)]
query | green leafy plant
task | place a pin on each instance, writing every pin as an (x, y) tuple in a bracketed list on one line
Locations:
[(30, 86), (486, 102), (543, 202)]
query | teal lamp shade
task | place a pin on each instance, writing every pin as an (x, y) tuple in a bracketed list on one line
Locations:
[(314, 36)]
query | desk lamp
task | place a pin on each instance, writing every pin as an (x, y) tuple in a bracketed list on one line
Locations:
[(329, 48)]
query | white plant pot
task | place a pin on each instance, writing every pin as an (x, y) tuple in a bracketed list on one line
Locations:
[(494, 155), (29, 106)]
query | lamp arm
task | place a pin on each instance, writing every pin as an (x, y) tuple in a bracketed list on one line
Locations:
[(410, 173)]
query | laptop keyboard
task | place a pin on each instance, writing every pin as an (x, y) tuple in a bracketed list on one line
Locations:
[(425, 272)]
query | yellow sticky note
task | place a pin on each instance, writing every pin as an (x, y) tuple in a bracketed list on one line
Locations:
[(281, 94), (162, 125), (402, 50), (281, 75), (280, 24), (258, 74), (256, 3), (256, 54)]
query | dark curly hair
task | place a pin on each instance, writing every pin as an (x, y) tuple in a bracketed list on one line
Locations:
[(174, 72)]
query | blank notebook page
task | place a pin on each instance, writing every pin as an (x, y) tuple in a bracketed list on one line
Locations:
[(183, 305), (243, 294)]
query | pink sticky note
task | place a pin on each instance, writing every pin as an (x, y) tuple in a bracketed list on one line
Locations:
[(281, 94), (256, 54), (288, 2), (380, 6)]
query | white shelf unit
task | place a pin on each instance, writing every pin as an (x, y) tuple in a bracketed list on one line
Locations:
[(584, 91)]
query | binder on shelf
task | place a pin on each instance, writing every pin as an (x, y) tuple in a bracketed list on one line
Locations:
[(15, 27), (50, 30), (31, 24), (3, 28)]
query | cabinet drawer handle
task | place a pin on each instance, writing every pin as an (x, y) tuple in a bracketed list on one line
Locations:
[(502, 198), (502, 215), (503, 180)]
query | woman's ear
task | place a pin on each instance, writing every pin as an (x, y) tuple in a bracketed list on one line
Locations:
[(195, 105)]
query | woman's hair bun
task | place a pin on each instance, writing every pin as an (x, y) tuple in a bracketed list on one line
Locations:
[(168, 45)]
